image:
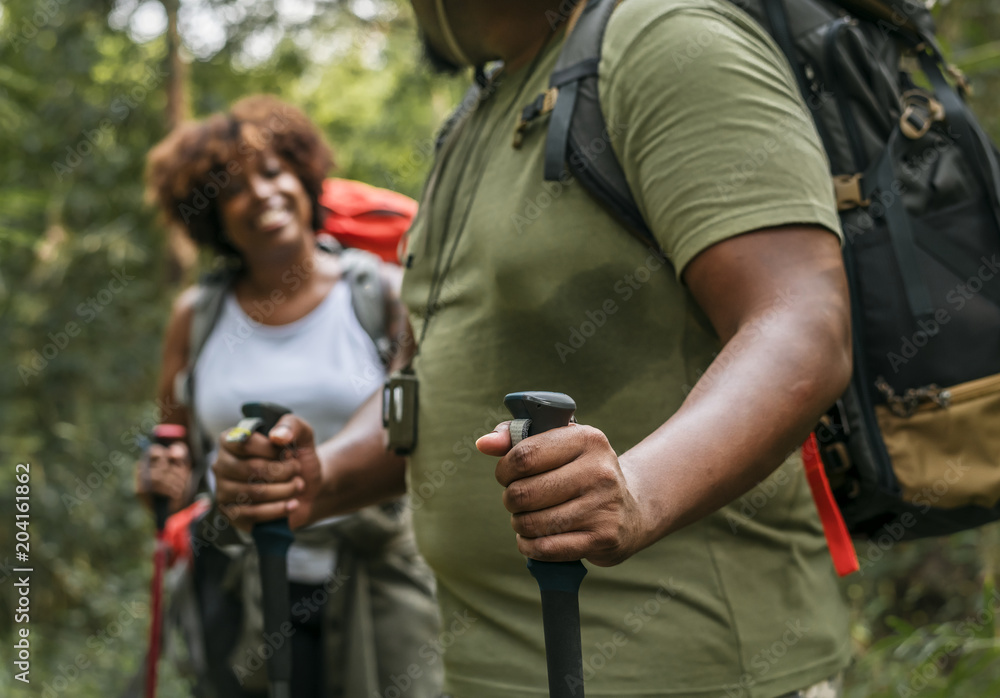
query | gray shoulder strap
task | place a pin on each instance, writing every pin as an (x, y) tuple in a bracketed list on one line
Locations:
[(361, 269), (207, 307)]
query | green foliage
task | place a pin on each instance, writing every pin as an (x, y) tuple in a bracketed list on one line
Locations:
[(86, 284), (924, 618)]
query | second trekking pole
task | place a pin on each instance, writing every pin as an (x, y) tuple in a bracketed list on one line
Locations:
[(163, 435), (273, 538), (559, 582)]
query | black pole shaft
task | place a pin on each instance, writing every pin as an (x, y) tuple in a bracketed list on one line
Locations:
[(563, 646), (558, 582), (273, 538)]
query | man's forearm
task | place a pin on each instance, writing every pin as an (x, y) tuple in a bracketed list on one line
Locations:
[(759, 399), (357, 469)]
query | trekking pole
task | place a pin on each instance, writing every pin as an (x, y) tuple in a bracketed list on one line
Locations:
[(273, 538), (164, 435), (558, 582)]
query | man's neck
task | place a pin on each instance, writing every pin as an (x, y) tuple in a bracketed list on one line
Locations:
[(513, 31)]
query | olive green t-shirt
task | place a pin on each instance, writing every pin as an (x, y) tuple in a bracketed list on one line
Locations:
[(544, 290)]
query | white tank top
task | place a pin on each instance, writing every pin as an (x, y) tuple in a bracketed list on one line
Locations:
[(322, 366)]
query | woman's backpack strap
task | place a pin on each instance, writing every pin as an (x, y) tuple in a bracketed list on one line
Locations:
[(207, 308), (361, 270)]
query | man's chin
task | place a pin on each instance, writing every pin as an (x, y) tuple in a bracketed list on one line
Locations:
[(438, 62)]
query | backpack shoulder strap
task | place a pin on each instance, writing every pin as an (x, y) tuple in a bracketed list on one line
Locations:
[(207, 307), (578, 121), (361, 270)]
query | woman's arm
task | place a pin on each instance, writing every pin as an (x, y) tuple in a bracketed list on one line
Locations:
[(346, 473), (175, 357), (172, 482)]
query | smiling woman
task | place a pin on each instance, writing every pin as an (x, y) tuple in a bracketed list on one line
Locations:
[(201, 165), (292, 323)]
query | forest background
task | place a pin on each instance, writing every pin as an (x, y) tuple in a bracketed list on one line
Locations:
[(86, 87)]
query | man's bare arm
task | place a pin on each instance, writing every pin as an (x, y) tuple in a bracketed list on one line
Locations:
[(778, 300)]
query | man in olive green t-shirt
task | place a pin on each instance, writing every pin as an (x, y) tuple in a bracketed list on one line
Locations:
[(695, 374)]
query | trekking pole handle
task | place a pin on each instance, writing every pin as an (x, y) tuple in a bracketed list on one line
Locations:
[(163, 435), (559, 582), (273, 538)]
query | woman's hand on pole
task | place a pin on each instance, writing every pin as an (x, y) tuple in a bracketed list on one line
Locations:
[(266, 478)]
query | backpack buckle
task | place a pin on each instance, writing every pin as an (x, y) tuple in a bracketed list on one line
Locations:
[(964, 86), (539, 107), (920, 113), (847, 189), (908, 403)]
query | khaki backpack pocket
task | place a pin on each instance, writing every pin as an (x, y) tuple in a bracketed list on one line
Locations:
[(946, 454)]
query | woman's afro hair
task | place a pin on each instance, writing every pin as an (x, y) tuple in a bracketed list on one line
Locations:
[(189, 170)]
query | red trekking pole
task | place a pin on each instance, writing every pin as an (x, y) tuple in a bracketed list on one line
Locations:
[(164, 435)]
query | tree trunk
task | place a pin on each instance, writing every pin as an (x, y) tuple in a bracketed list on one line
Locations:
[(182, 253)]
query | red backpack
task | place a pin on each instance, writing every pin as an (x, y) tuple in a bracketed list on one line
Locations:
[(366, 217)]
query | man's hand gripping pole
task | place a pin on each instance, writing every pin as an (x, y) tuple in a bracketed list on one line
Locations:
[(559, 582)]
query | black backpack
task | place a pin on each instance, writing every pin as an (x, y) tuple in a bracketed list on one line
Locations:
[(912, 449)]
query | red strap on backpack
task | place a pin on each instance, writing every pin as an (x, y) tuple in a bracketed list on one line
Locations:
[(845, 560), (366, 217), (176, 533)]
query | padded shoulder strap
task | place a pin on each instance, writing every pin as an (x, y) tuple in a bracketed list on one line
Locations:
[(361, 269), (578, 136), (207, 307)]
